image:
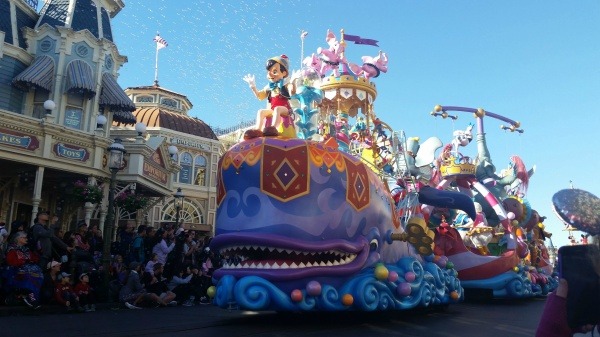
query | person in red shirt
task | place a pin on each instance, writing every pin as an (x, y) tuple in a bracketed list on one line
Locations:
[(65, 295), (23, 276), (85, 293)]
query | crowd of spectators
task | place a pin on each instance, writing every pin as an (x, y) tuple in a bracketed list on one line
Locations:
[(150, 267)]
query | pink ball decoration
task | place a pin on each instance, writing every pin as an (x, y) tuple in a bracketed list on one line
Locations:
[(404, 289), (510, 215), (313, 288), (410, 276), (393, 276), (296, 295)]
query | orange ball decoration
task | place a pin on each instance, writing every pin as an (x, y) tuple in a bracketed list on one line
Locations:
[(347, 300), (454, 295)]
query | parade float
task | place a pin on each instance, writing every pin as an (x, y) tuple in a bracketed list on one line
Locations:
[(501, 253), (342, 215)]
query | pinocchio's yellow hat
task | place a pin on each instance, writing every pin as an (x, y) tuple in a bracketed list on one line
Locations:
[(283, 61)]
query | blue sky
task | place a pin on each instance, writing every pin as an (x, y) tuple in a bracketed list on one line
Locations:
[(537, 62)]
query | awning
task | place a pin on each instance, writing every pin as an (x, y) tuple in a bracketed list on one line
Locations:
[(112, 95), (124, 117), (39, 73), (80, 78)]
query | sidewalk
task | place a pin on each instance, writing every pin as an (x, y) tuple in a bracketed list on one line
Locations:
[(23, 310)]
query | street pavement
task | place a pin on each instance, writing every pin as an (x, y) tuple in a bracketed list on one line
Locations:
[(496, 318)]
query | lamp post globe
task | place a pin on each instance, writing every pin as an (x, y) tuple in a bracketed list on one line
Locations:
[(140, 128), (178, 197), (100, 121), (173, 151), (49, 105), (115, 162)]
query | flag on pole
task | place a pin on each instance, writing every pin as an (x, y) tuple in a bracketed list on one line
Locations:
[(160, 42), (359, 40)]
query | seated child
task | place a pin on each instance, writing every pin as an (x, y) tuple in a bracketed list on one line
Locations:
[(85, 293), (65, 294)]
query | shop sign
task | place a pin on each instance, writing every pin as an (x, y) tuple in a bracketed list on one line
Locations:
[(190, 143), (153, 172), (19, 140), (71, 152), (73, 118)]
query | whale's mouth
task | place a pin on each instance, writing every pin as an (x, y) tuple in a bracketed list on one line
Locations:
[(278, 257), (265, 257)]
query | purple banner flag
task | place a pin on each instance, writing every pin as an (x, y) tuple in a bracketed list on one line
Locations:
[(359, 40)]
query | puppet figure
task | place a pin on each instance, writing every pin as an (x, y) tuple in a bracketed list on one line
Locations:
[(278, 118)]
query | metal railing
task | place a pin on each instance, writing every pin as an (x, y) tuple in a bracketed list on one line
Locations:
[(223, 131)]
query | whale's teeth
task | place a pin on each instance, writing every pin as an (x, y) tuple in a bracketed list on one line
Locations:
[(280, 250), (336, 263), (309, 264), (284, 266), (294, 265), (302, 265), (329, 263), (274, 266)]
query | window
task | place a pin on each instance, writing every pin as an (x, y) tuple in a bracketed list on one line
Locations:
[(185, 175), (144, 99), (39, 97), (200, 171), (190, 213), (74, 111), (169, 102), (108, 63)]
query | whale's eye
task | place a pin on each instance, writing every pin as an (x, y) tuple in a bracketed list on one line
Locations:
[(373, 244)]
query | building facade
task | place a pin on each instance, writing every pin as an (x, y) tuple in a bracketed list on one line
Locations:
[(165, 114), (61, 107)]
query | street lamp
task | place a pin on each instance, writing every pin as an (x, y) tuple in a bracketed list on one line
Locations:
[(115, 163), (100, 121), (140, 128), (49, 105), (178, 205), (173, 151)]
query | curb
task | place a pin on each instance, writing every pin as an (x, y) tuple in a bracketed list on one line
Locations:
[(23, 310)]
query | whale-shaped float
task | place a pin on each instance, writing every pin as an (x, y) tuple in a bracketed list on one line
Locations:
[(307, 227)]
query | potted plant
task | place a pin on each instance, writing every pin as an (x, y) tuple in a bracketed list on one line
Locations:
[(131, 202), (86, 193)]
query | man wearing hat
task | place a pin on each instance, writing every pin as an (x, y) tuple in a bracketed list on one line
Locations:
[(279, 115), (51, 276), (46, 240)]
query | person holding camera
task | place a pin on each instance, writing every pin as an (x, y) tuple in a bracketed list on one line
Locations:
[(164, 245), (553, 322)]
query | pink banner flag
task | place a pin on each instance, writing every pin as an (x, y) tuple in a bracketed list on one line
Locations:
[(359, 40)]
